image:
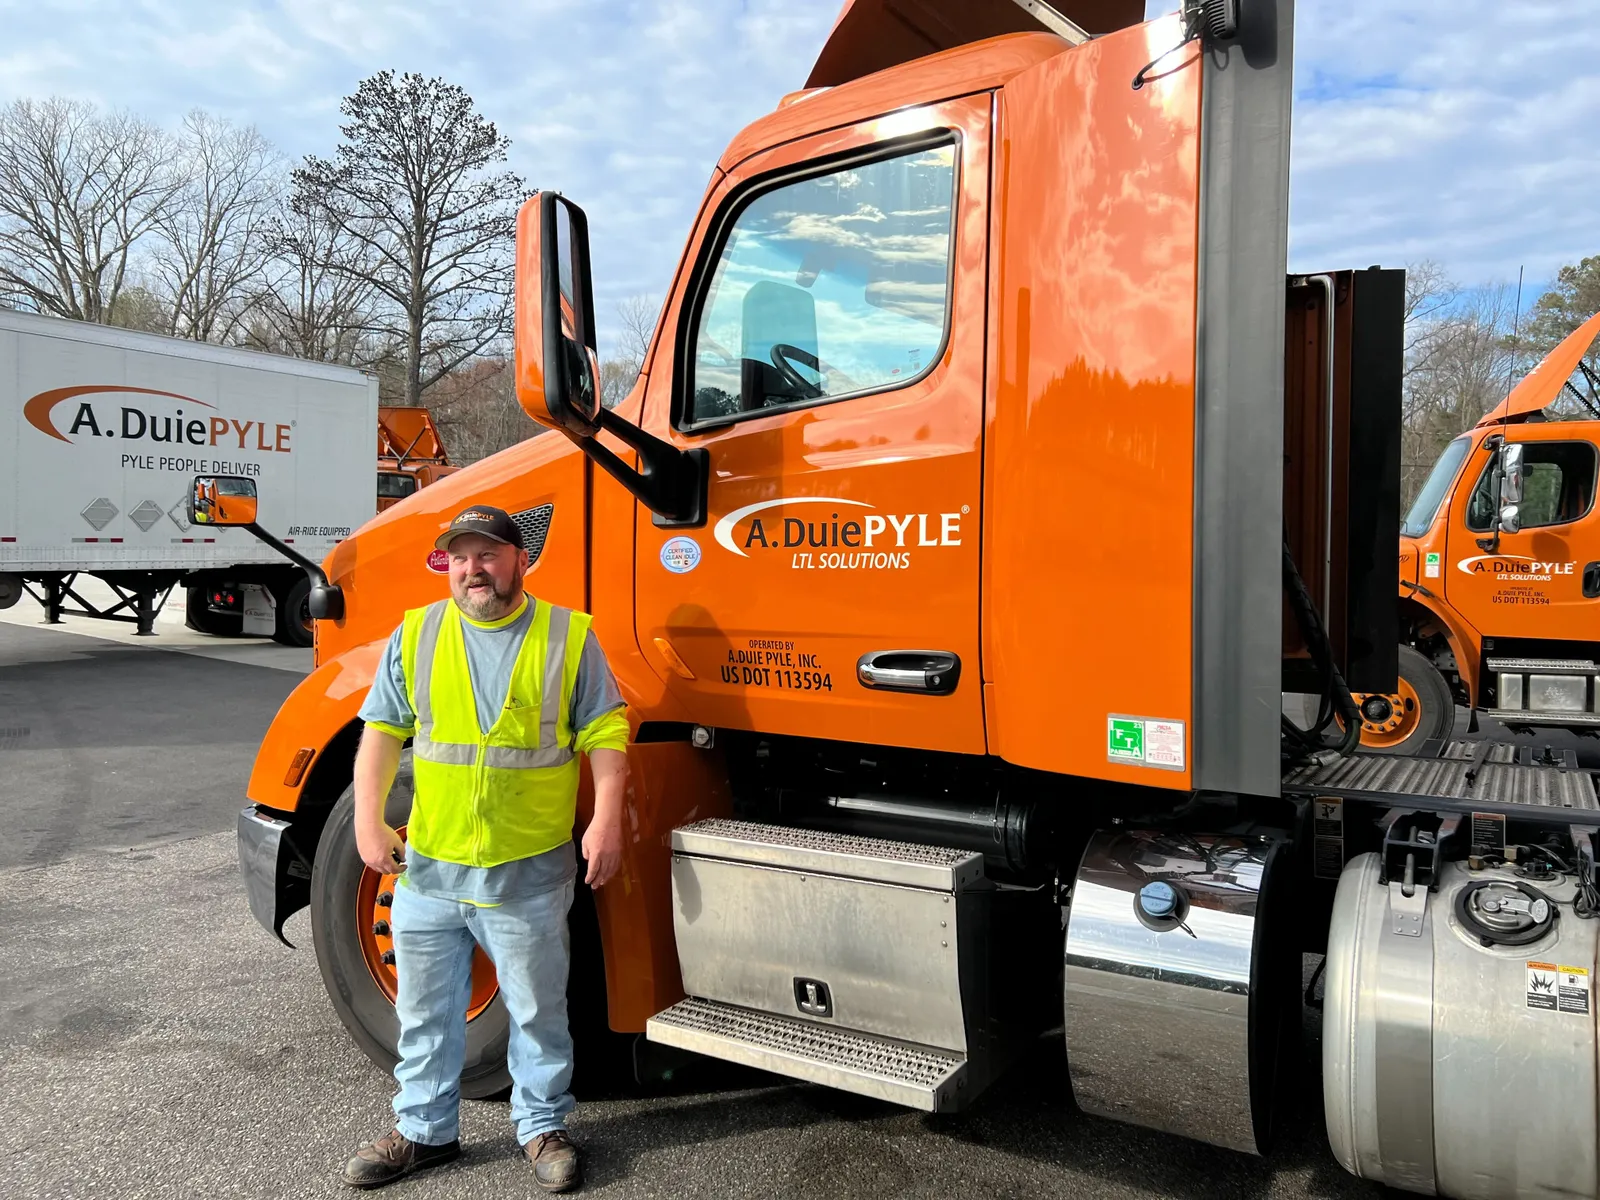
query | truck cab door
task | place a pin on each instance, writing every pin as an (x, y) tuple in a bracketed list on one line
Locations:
[(1532, 584), (827, 351)]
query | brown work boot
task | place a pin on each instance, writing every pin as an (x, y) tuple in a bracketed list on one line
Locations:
[(394, 1156), (555, 1160)]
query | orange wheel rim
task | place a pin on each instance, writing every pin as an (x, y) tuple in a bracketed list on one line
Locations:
[(374, 896), (1405, 714)]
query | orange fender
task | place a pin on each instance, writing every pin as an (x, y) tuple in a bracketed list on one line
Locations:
[(1464, 641), (325, 702)]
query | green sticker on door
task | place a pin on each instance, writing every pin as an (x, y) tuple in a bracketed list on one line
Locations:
[(1145, 742)]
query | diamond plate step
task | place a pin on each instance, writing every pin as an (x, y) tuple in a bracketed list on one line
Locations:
[(1526, 716), (1544, 666), (876, 859), (915, 1076), (1455, 785)]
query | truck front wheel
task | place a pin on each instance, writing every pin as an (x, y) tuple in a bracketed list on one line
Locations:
[(294, 613), (355, 954), (1420, 710)]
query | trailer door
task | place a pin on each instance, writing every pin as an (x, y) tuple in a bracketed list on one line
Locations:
[(828, 352)]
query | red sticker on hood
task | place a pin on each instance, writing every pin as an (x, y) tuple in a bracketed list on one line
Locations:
[(439, 561)]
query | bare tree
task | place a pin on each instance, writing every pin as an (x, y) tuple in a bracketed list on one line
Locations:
[(212, 244), (477, 411), (411, 183), (636, 320), (316, 299), (78, 190), (1458, 364)]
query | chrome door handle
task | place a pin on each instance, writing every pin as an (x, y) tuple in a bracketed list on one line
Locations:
[(931, 672)]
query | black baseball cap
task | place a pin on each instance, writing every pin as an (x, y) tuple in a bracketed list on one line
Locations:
[(493, 523)]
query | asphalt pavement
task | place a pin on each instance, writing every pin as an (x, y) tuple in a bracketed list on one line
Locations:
[(155, 1042)]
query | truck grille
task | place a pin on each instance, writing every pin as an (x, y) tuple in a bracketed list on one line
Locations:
[(535, 526)]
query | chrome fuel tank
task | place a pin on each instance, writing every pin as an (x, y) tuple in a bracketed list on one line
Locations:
[(1459, 1051), (1178, 982)]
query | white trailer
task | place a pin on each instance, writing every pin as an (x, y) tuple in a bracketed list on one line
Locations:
[(102, 432)]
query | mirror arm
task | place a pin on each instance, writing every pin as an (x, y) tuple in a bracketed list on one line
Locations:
[(672, 484), (289, 552)]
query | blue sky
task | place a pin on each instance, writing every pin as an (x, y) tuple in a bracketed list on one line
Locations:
[(1464, 131)]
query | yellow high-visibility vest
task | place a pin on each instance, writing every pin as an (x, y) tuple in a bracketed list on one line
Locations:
[(485, 797)]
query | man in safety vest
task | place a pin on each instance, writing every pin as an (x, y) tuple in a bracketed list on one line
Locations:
[(499, 693)]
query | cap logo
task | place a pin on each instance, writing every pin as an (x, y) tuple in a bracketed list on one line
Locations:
[(474, 515)]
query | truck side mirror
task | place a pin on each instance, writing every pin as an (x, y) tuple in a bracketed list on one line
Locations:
[(558, 371), (1511, 519), (222, 500), (1511, 474), (557, 367)]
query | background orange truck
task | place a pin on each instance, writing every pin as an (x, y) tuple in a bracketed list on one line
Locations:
[(941, 559), (411, 453), (1500, 573)]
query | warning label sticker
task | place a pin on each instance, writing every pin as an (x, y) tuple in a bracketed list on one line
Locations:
[(1163, 744), (1489, 833), (1328, 826), (1572, 989), (1147, 741), (1542, 985)]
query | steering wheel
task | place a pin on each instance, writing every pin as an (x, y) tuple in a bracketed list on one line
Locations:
[(781, 354)]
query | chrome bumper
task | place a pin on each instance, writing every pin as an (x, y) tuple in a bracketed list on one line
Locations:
[(262, 853)]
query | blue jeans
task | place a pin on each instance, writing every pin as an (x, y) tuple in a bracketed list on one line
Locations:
[(529, 942)]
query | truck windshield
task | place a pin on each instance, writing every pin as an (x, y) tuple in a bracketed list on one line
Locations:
[(1426, 506), (395, 486)]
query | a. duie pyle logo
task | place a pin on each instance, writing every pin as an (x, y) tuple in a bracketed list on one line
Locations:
[(1515, 570), (835, 538), (74, 414)]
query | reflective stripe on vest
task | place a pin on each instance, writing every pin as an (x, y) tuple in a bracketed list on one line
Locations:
[(489, 796)]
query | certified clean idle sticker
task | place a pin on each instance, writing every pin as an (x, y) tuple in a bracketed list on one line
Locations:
[(680, 554), (1145, 742), (1431, 566)]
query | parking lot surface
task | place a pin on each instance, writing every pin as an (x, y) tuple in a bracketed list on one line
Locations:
[(155, 1042)]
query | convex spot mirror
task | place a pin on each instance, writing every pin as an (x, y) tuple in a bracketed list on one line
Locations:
[(1511, 474), (1511, 519), (557, 367), (222, 500)]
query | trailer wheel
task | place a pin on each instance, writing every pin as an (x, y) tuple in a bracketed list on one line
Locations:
[(202, 620), (1421, 710), (346, 902), (294, 614)]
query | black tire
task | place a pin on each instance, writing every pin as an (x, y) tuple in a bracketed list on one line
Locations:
[(1437, 715), (202, 620), (294, 614), (361, 1005), (603, 1060)]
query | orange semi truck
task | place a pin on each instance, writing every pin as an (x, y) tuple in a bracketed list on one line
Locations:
[(940, 559), (1500, 573), (411, 454)]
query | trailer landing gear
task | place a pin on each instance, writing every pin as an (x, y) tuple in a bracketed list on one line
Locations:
[(140, 595)]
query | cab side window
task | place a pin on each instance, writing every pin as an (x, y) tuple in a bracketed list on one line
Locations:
[(830, 286), (1558, 486)]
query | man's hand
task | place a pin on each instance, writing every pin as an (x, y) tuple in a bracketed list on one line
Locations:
[(602, 841), (377, 758), (602, 847), (381, 848)]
